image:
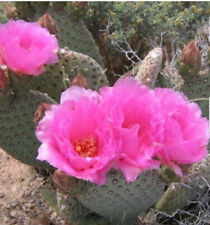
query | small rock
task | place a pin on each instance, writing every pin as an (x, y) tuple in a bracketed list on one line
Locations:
[(1, 194), (13, 214), (13, 204)]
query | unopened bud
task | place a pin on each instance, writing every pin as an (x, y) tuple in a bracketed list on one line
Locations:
[(190, 54), (49, 23), (40, 112), (81, 81)]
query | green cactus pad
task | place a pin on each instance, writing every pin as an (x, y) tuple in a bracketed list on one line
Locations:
[(197, 89), (17, 129), (179, 194), (45, 83), (52, 81), (120, 202), (150, 67), (188, 70), (77, 63), (75, 35)]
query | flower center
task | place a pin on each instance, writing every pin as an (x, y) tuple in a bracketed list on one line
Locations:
[(25, 45), (85, 147)]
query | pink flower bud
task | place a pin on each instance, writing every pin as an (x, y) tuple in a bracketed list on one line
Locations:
[(190, 54)]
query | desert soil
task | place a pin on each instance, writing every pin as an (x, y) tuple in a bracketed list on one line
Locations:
[(20, 200)]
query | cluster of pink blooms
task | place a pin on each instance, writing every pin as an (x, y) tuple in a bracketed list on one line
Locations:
[(25, 47), (127, 127)]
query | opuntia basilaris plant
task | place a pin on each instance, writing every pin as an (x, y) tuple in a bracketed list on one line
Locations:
[(116, 148)]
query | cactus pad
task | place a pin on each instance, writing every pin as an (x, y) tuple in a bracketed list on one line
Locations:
[(179, 194), (75, 35), (150, 67), (197, 89), (120, 202), (76, 63), (17, 135)]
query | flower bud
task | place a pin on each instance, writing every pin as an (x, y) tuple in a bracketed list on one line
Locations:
[(49, 23), (190, 54), (80, 81)]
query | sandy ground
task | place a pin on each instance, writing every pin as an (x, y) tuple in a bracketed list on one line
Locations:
[(20, 200)]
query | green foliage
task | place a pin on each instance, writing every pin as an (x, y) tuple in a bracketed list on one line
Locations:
[(145, 19)]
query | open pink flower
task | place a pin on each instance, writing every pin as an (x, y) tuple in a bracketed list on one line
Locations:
[(185, 131), (139, 126), (76, 137), (26, 47)]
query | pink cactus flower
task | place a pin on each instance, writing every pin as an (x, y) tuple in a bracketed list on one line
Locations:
[(139, 126), (27, 47), (76, 137), (185, 130)]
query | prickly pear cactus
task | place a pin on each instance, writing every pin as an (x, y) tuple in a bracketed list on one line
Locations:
[(120, 202), (75, 35), (71, 34), (66, 205), (18, 107), (197, 89), (179, 194), (150, 67), (75, 63), (17, 135), (53, 81)]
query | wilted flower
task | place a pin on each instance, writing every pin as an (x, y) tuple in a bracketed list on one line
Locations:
[(75, 136), (27, 47), (138, 127), (185, 131)]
